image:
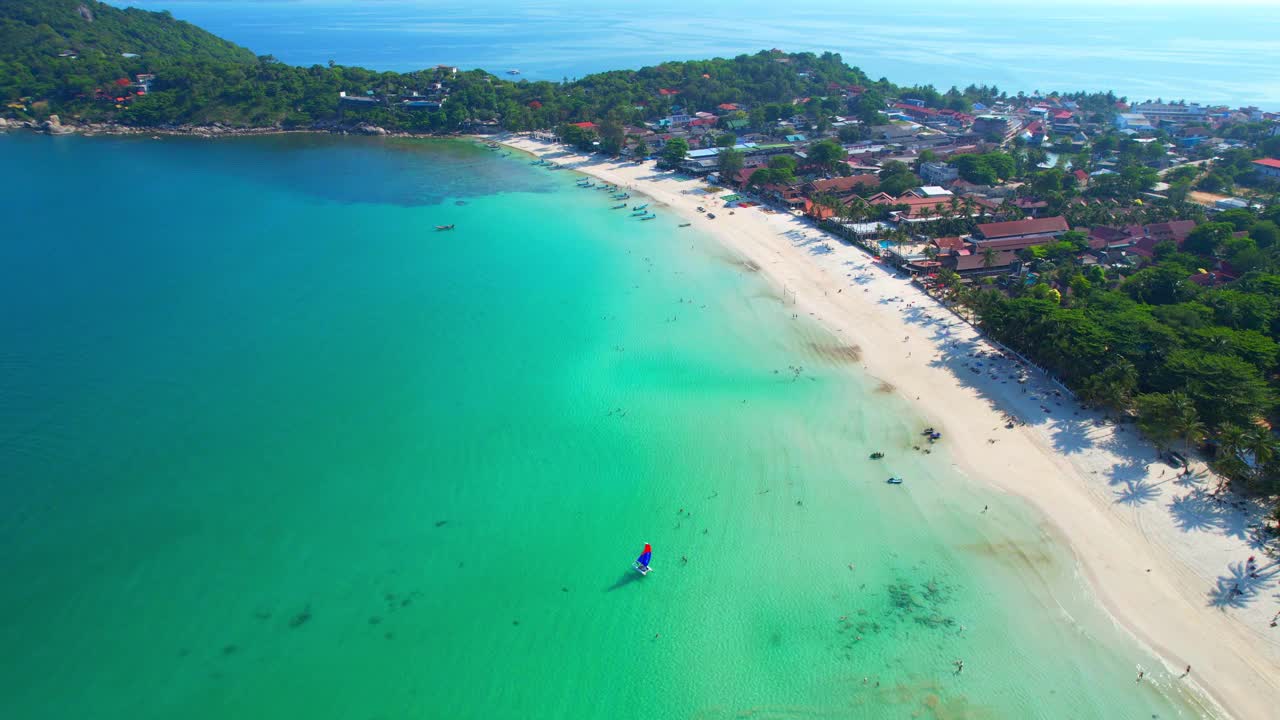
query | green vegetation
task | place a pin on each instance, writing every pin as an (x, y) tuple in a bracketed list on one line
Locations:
[(1193, 363), (986, 169), (202, 79)]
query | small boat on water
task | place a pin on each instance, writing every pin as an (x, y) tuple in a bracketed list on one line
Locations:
[(444, 227), (642, 563), (622, 196), (619, 207), (685, 224), (877, 455), (640, 207), (638, 213), (650, 216), (513, 71), (894, 481)]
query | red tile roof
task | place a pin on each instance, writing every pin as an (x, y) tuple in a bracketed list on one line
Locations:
[(1177, 230), (1002, 258), (821, 212), (1268, 162), (585, 125), (1016, 228), (845, 184)]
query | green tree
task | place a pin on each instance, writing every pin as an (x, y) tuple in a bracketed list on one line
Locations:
[(1265, 233), (578, 137), (1155, 417), (1205, 239), (612, 135), (826, 154), (727, 140), (1224, 388), (730, 162), (674, 152)]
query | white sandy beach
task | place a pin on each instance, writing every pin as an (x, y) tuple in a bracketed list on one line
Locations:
[(1159, 552)]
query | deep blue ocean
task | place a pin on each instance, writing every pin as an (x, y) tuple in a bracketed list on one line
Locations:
[(1223, 52)]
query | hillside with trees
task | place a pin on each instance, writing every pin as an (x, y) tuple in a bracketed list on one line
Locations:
[(65, 56)]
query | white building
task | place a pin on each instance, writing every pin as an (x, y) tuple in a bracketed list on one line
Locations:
[(1133, 121), (938, 173), (1172, 112)]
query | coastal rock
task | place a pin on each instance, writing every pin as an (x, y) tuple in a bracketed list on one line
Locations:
[(366, 129), (54, 126)]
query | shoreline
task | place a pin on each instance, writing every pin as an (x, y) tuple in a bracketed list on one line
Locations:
[(1157, 552), (215, 130)]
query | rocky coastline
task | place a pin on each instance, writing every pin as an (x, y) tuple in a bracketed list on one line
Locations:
[(55, 126)]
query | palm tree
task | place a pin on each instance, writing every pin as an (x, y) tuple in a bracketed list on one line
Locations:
[(988, 257), (1260, 443), (1184, 421), (1231, 439)]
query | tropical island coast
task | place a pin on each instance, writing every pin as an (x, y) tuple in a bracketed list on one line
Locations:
[(1159, 551), (1081, 291)]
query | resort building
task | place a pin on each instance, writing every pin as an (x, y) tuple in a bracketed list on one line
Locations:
[(1037, 230), (1178, 113), (938, 173), (1003, 127)]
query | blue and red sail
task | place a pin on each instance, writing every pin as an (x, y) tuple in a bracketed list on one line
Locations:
[(642, 562)]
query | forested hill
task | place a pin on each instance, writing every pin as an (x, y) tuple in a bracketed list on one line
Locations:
[(60, 54), (97, 32), (79, 57)]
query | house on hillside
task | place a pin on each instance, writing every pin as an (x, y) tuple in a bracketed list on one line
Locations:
[(343, 97), (1267, 168)]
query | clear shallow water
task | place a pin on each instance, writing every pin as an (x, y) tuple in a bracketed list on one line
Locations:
[(273, 447), (1145, 49)]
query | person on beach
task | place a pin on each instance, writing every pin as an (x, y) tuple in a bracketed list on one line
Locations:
[(1140, 674), (1187, 671)]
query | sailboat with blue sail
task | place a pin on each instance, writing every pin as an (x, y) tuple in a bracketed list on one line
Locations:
[(642, 562)]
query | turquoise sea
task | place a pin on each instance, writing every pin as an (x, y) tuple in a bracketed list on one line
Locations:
[(1220, 52), (274, 447)]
